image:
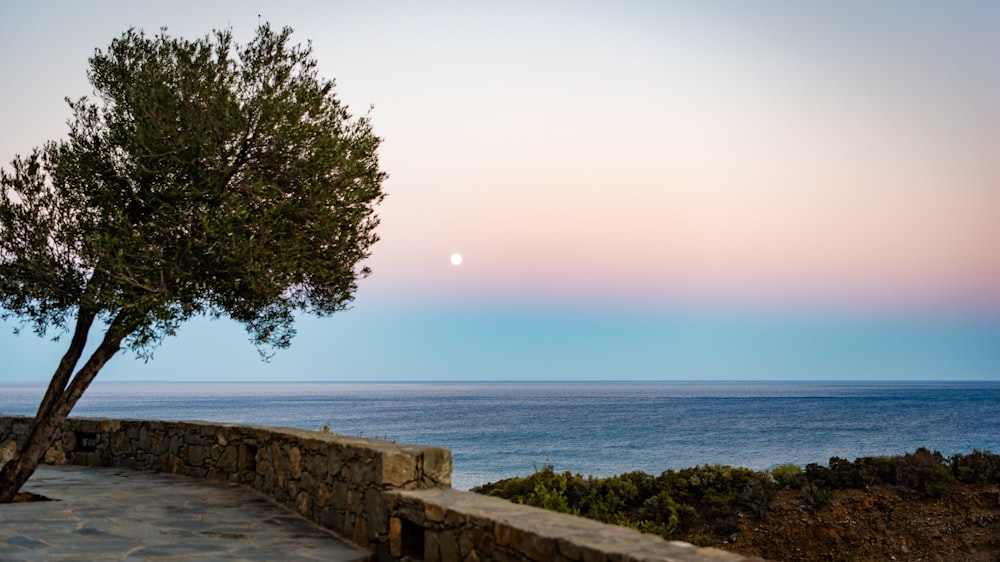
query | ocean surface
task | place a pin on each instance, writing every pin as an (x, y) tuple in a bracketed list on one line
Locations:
[(498, 430)]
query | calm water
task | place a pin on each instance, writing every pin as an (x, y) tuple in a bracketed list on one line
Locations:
[(497, 430)]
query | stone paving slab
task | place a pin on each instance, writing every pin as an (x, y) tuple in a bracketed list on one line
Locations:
[(128, 515)]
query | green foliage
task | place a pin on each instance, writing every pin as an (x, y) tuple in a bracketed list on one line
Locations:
[(544, 488), (787, 475), (684, 504), (203, 177), (922, 472), (668, 505), (552, 498), (977, 468), (662, 515), (876, 470), (925, 472)]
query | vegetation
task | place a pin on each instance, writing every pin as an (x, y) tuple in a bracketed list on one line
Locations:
[(204, 177), (712, 499)]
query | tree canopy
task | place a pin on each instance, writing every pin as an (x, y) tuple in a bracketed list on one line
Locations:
[(201, 177)]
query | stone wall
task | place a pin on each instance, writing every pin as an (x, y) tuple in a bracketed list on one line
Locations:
[(334, 480), (394, 499)]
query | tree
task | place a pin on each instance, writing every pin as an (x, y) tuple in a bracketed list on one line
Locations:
[(204, 178)]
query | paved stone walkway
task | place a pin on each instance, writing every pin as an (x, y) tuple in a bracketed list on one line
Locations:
[(126, 515)]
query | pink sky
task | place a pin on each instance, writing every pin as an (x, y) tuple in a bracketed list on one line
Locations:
[(640, 151)]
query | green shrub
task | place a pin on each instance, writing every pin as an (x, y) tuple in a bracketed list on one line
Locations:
[(788, 476), (664, 516), (976, 468), (552, 499), (876, 470), (843, 474), (715, 496)]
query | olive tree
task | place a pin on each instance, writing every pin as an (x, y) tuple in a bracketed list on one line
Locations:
[(202, 177)]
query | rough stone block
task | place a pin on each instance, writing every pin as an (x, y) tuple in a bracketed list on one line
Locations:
[(196, 455), (55, 454), (377, 512), (274, 455), (228, 458), (174, 445), (315, 464), (322, 495), (437, 466), (355, 501), (535, 547), (448, 546), (167, 461), (340, 491), (482, 539), (569, 549), (432, 546), (433, 513), (307, 482), (502, 534), (334, 519), (120, 444), (295, 462), (158, 443), (303, 504), (144, 442), (466, 544), (361, 473), (411, 511), (395, 537), (592, 555), (334, 464), (8, 450), (395, 469), (360, 531)]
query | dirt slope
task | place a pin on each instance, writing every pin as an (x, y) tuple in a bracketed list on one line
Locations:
[(881, 523)]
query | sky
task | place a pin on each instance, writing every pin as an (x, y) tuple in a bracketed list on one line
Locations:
[(770, 190)]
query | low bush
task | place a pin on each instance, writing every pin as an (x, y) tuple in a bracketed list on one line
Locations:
[(714, 497)]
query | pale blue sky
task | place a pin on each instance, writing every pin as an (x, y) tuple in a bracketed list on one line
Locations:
[(641, 190)]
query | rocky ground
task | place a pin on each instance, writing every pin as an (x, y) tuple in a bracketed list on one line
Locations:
[(881, 523)]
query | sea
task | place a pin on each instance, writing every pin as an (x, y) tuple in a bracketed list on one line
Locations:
[(497, 430)]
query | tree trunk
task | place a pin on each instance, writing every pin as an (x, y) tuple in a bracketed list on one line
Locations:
[(58, 402)]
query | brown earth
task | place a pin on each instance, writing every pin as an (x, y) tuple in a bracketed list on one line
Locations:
[(881, 523)]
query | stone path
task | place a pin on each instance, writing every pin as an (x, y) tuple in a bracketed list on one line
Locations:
[(113, 514)]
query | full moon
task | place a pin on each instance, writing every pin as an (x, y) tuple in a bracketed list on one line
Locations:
[(456, 259)]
